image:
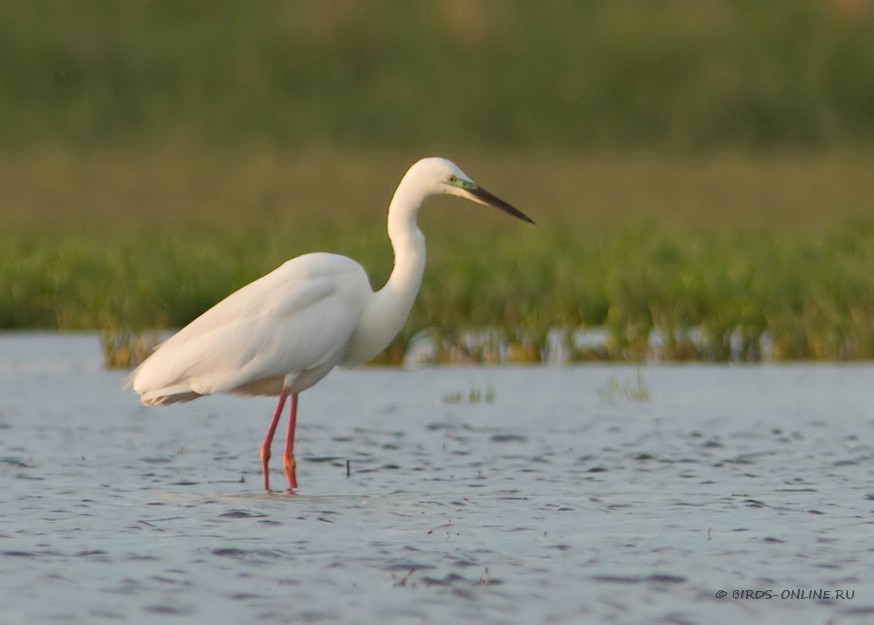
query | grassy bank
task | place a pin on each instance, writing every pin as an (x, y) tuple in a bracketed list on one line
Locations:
[(735, 246), (155, 156)]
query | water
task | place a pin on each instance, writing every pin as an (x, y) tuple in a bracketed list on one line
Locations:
[(502, 495)]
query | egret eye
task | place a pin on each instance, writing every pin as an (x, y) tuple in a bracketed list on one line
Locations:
[(453, 178)]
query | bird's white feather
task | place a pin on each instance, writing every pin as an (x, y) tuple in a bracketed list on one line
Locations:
[(283, 328)]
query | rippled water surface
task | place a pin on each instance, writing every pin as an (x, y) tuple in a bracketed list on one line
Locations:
[(503, 495)]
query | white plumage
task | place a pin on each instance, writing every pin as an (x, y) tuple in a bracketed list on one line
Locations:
[(295, 320), (284, 332)]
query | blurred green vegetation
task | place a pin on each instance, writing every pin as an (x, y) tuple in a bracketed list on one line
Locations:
[(677, 74), (691, 164), (777, 245)]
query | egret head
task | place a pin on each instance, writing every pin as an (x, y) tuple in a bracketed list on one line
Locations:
[(448, 179)]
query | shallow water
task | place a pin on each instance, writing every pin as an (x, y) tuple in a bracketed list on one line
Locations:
[(554, 498)]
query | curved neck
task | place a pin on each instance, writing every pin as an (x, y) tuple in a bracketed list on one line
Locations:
[(408, 244), (389, 308)]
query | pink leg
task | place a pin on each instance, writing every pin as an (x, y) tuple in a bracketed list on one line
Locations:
[(268, 440), (288, 455)]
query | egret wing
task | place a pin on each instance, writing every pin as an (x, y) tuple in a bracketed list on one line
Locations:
[(294, 320)]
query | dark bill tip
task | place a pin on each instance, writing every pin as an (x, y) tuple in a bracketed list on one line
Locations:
[(492, 200)]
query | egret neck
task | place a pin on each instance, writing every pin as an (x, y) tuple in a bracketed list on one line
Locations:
[(388, 310)]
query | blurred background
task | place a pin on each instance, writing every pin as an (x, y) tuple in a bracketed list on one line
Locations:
[(700, 170), (684, 75)]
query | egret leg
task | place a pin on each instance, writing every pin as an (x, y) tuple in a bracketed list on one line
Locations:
[(268, 440), (288, 455)]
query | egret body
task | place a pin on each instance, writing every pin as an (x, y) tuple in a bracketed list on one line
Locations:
[(284, 332)]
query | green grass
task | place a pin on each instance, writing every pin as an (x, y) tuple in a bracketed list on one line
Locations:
[(777, 244), (632, 391)]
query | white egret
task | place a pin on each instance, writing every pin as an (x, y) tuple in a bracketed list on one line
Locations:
[(284, 332)]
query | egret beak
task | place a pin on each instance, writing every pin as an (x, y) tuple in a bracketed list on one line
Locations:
[(484, 197)]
